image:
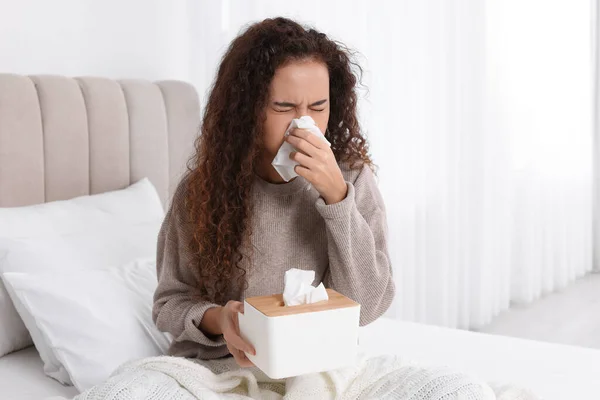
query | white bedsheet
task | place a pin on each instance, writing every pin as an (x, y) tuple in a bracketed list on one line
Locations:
[(555, 372), (22, 378), (552, 371)]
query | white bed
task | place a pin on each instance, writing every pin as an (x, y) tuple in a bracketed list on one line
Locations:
[(63, 137), (22, 378), (61, 131), (552, 371)]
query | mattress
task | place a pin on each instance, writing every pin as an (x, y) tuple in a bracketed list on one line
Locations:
[(551, 371), (22, 378)]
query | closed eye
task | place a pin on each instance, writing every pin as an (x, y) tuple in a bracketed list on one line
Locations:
[(287, 106)]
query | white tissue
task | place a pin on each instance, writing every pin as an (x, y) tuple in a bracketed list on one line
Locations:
[(299, 289), (282, 162)]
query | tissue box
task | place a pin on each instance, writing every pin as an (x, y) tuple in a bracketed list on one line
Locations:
[(297, 340)]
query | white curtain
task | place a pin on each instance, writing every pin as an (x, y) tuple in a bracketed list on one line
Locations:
[(595, 10), (541, 92), (478, 114)]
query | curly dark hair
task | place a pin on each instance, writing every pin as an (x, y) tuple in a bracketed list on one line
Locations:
[(221, 173)]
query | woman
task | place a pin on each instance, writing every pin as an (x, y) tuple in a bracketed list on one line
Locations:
[(235, 226)]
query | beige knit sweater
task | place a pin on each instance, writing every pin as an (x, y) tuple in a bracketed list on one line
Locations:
[(344, 243)]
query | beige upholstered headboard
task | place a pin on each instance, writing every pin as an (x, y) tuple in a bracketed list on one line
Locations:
[(63, 137)]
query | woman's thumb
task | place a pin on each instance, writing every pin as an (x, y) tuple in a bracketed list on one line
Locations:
[(239, 307)]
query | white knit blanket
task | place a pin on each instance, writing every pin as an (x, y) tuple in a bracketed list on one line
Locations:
[(170, 378)]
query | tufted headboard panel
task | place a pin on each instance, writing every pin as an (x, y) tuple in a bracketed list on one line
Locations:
[(65, 137)]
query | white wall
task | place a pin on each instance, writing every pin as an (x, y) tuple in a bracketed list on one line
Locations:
[(112, 38)]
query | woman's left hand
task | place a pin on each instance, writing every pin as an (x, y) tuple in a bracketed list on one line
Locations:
[(318, 165)]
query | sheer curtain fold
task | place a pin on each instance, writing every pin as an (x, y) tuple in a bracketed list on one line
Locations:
[(478, 115), (595, 77)]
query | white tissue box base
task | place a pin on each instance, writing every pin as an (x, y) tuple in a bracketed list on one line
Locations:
[(299, 344)]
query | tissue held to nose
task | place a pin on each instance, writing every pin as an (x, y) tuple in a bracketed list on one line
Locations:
[(298, 288), (282, 162)]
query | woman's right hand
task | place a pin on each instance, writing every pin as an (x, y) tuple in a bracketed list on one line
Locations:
[(229, 325)]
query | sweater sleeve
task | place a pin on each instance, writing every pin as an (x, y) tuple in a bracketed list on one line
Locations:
[(178, 307), (359, 263)]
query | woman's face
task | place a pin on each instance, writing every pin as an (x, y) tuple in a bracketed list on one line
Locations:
[(298, 88)]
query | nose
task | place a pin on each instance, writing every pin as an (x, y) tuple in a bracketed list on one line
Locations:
[(301, 111)]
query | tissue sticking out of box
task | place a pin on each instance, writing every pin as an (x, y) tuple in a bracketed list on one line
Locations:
[(298, 288)]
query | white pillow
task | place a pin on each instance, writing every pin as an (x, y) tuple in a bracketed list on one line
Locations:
[(92, 320), (86, 232)]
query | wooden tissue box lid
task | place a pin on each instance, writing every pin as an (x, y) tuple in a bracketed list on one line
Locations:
[(273, 305)]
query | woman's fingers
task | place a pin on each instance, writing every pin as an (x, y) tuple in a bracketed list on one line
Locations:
[(303, 145), (237, 306), (231, 330), (303, 159), (236, 340), (236, 345), (240, 357), (305, 173), (309, 137)]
